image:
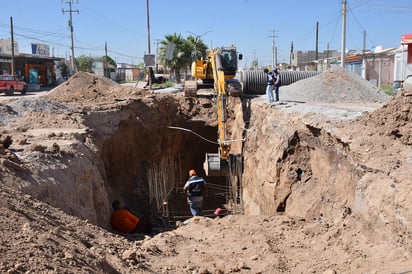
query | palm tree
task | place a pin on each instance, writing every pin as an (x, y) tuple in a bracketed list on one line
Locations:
[(181, 56), (198, 46)]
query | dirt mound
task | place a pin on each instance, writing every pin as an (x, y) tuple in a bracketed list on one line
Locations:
[(38, 238), (393, 119), (83, 87), (334, 85)]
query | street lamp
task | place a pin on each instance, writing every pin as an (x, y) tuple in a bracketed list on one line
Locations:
[(197, 38)]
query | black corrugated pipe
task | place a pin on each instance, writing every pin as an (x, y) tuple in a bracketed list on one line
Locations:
[(254, 81)]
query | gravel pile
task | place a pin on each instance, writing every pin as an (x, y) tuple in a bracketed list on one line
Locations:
[(23, 105), (333, 86), (14, 110), (7, 115)]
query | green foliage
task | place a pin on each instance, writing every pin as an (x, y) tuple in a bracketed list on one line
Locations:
[(108, 60), (388, 89), (198, 47), (168, 84), (85, 63), (183, 53), (140, 65)]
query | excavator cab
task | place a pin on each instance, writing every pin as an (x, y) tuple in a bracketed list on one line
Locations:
[(202, 70), (229, 60)]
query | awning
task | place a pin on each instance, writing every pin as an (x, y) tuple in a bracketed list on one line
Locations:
[(406, 38)]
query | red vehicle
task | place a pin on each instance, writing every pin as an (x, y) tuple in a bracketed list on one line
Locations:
[(11, 83)]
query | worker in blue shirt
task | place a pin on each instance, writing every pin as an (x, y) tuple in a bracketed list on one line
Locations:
[(195, 189)]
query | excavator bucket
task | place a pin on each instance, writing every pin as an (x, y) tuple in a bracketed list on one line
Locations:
[(215, 166)]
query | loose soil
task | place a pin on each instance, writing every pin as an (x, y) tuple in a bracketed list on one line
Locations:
[(325, 186)]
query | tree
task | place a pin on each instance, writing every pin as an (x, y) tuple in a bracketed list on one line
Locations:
[(108, 60), (181, 57), (198, 46), (85, 63)]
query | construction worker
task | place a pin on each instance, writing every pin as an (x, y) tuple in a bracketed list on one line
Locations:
[(124, 221), (276, 84), (269, 85), (195, 189)]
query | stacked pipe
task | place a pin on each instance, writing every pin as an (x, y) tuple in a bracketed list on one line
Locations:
[(254, 81)]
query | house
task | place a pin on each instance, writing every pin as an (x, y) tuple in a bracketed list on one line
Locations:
[(37, 69)]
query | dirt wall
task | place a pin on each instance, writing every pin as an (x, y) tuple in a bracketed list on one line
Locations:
[(293, 157), (323, 167)]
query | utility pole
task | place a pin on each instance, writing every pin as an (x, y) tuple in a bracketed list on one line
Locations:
[(148, 26), (317, 50), (364, 41), (255, 61), (343, 46), (274, 55), (70, 11), (157, 54), (327, 56), (12, 45), (148, 40), (106, 63)]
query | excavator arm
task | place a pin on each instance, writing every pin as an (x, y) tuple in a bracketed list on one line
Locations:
[(216, 164)]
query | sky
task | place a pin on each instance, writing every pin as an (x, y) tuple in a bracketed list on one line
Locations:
[(251, 25)]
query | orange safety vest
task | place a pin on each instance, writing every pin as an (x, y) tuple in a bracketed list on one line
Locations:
[(124, 221)]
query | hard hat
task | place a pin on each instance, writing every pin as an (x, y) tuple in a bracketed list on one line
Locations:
[(192, 172)]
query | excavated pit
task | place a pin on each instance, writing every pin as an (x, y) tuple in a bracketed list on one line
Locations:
[(137, 147), (334, 158), (153, 148), (153, 145)]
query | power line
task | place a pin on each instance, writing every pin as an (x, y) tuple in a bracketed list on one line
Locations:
[(385, 5)]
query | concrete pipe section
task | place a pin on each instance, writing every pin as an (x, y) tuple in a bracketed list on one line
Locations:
[(254, 81)]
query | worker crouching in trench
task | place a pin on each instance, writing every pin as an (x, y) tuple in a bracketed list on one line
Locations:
[(122, 220)]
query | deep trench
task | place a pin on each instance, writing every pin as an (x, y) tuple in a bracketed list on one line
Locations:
[(160, 151), (143, 149)]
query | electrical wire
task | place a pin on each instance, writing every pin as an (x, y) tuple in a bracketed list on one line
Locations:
[(191, 131), (203, 138), (386, 4), (38, 35)]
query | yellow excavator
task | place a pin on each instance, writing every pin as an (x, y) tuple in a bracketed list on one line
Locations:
[(226, 59), (221, 67)]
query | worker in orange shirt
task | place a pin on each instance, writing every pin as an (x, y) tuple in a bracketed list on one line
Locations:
[(124, 221)]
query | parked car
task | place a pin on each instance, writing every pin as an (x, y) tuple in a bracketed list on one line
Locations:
[(11, 83)]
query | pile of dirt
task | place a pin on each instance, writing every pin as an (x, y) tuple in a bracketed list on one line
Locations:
[(393, 119), (87, 89)]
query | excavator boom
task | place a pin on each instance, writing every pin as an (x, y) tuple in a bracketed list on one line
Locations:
[(216, 164)]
